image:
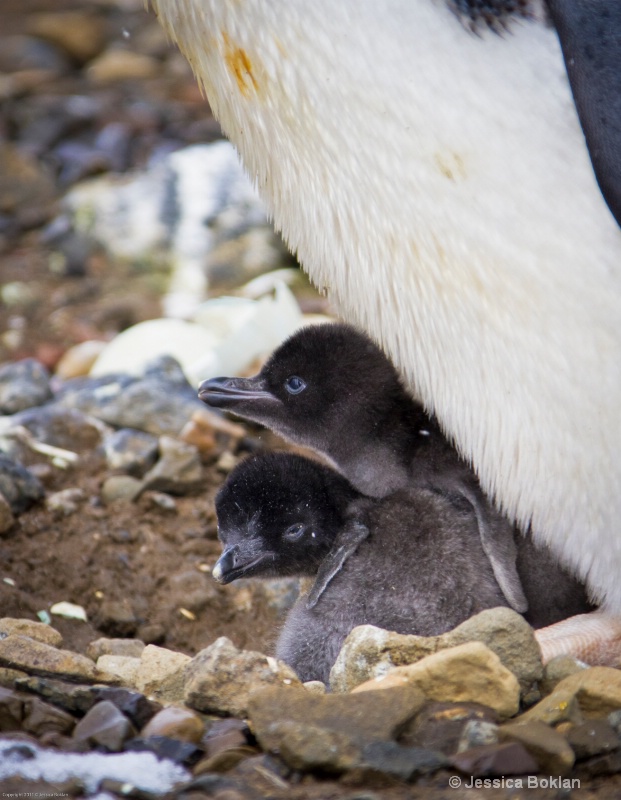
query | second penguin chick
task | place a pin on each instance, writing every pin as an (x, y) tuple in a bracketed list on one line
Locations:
[(411, 563), (330, 388)]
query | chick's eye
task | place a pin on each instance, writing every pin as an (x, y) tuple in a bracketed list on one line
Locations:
[(294, 384), (294, 532)]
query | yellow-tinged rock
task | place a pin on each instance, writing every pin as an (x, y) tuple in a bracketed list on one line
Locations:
[(35, 630), (467, 673), (37, 658)]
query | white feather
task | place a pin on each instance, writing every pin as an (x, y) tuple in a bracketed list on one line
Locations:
[(437, 184)]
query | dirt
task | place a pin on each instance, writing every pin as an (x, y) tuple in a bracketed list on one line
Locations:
[(154, 563)]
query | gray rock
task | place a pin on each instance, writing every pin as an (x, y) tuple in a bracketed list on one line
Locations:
[(23, 384), (477, 733), (221, 678), (68, 429), (72, 697), (161, 501), (65, 502), (396, 761), (593, 738), (151, 403), (134, 705), (614, 719), (18, 486), (178, 469), (21, 53), (131, 451), (104, 725)]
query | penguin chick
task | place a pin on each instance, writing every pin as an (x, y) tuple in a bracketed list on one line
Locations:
[(330, 388), (412, 562), (279, 517)]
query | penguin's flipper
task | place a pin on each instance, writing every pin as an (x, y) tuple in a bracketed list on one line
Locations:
[(346, 544), (590, 36), (499, 546)]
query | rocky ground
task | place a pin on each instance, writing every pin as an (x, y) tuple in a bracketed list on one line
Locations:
[(115, 678)]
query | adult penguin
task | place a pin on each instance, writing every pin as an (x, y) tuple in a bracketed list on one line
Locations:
[(426, 161)]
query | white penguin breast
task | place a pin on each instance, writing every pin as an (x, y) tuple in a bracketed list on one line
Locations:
[(437, 184)]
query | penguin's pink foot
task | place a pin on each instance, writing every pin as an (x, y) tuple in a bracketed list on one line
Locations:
[(594, 638)]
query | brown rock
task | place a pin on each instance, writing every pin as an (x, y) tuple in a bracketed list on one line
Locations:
[(35, 630), (78, 360), (560, 706), (41, 717), (593, 738), (116, 617), (176, 723), (510, 758), (79, 33), (221, 678), (308, 748), (597, 689), (440, 726), (11, 710), (161, 673), (119, 65), (363, 717), (115, 647), (557, 669), (36, 658), (124, 668), (370, 652), (549, 749), (225, 760), (7, 520), (591, 693)]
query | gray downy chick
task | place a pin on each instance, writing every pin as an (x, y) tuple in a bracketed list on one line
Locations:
[(330, 388), (412, 562)]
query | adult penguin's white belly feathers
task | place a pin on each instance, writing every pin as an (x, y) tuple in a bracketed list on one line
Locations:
[(437, 184)]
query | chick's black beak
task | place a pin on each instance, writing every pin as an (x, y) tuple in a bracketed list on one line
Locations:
[(225, 565), (236, 561), (229, 392)]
